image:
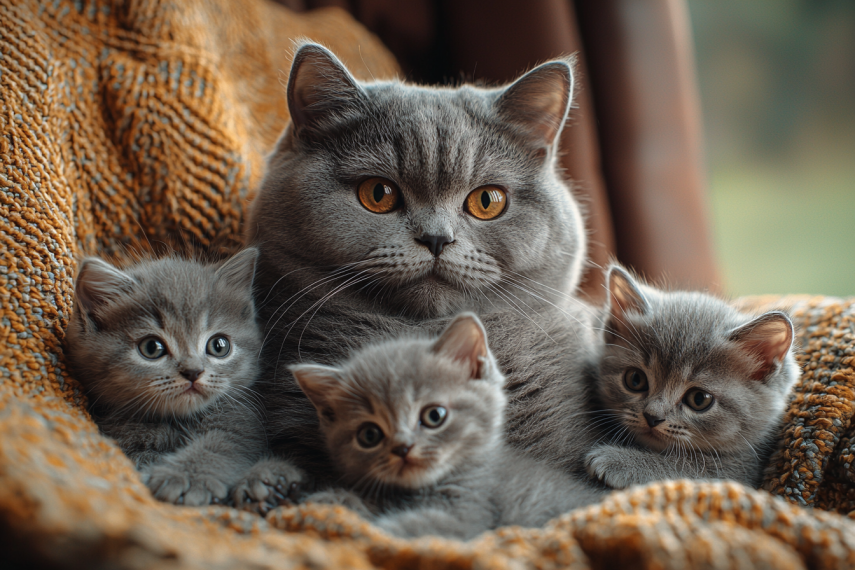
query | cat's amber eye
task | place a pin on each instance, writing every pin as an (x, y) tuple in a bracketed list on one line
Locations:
[(635, 380), (218, 346), (379, 195), (698, 399), (152, 348), (433, 416), (369, 435), (486, 202)]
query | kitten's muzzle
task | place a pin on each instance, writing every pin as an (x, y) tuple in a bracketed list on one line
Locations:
[(192, 374), (653, 421), (434, 243), (402, 450)]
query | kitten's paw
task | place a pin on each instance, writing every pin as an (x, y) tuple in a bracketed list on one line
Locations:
[(268, 484), (342, 497), (174, 484), (608, 464)]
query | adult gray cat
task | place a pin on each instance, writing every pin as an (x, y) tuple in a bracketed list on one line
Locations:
[(167, 351), (388, 207), (692, 388), (416, 428)]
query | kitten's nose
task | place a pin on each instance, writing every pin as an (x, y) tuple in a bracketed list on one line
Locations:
[(653, 421), (434, 243), (402, 450), (192, 375)]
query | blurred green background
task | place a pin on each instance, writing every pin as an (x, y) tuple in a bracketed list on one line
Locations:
[(777, 81)]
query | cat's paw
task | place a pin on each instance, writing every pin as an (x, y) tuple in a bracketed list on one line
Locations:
[(342, 497), (175, 484), (608, 464), (268, 484)]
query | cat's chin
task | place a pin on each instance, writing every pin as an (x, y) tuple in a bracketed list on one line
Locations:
[(429, 297), (654, 440), (187, 404), (414, 476)]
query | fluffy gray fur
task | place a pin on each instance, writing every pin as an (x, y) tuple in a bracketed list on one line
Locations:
[(192, 440), (334, 275), (440, 464), (739, 368)]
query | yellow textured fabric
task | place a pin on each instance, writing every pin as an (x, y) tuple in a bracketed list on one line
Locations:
[(118, 118)]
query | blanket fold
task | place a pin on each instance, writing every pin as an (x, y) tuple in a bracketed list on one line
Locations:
[(122, 122)]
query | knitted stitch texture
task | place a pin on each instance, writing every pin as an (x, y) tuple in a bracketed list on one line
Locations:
[(120, 120)]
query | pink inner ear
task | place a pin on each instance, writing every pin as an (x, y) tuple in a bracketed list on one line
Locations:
[(464, 340), (769, 341)]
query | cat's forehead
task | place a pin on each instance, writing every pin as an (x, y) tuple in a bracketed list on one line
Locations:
[(397, 375), (686, 332), (433, 143), (180, 293)]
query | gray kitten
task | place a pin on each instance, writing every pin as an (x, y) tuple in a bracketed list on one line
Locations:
[(691, 387), (167, 351), (416, 428), (387, 208)]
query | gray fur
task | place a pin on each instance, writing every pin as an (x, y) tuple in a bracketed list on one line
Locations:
[(458, 479), (681, 341), (191, 446), (334, 275)]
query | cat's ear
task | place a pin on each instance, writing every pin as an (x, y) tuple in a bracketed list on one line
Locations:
[(239, 271), (98, 284), (538, 102), (767, 339), (465, 339), (321, 384), (625, 296), (319, 87)]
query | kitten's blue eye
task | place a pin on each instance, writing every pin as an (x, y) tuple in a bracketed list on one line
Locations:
[(433, 416), (635, 380), (152, 347), (369, 435), (698, 400), (218, 346)]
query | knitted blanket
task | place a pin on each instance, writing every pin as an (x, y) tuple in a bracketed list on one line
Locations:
[(152, 117)]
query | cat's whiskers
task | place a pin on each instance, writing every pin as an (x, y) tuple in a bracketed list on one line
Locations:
[(508, 280), (496, 285), (267, 298), (343, 272), (355, 280), (349, 279)]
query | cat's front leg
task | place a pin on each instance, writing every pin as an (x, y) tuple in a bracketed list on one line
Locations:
[(269, 483), (621, 467), (200, 473)]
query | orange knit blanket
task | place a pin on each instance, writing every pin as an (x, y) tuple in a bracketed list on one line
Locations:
[(120, 119)]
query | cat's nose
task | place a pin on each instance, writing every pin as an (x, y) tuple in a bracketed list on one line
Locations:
[(434, 243), (653, 421), (402, 450), (193, 374)]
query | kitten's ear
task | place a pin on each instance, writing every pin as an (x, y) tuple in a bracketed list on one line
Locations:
[(239, 271), (625, 296), (319, 87), (538, 102), (767, 339), (321, 384), (465, 340), (99, 284)]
